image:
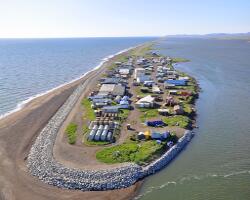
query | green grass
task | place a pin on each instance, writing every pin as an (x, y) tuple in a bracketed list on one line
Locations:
[(89, 112), (123, 114), (71, 133), (187, 108), (131, 151), (147, 113), (141, 51), (93, 143), (183, 121), (140, 93), (176, 60), (85, 129)]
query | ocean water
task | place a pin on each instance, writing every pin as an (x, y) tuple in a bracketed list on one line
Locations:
[(29, 67), (216, 164)]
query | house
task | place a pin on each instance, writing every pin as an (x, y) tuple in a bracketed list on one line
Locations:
[(146, 102), (148, 83), (124, 71), (156, 89), (176, 82), (178, 110), (168, 86), (173, 77), (139, 72), (184, 78), (170, 101), (111, 81), (143, 78), (113, 89)]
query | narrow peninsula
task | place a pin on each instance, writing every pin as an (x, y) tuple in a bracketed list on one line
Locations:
[(125, 121)]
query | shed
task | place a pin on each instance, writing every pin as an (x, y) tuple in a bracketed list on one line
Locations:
[(163, 111), (141, 136), (178, 109), (156, 136), (156, 89), (173, 92)]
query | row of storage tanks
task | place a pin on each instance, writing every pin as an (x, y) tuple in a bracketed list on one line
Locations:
[(100, 133)]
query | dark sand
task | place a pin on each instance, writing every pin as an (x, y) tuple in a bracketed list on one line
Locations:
[(18, 132)]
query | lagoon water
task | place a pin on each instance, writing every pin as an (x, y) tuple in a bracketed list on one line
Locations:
[(216, 164), (29, 67)]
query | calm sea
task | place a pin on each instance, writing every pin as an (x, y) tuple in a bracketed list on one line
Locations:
[(216, 164), (29, 67)]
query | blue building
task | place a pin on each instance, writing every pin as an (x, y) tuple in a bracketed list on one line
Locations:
[(176, 82)]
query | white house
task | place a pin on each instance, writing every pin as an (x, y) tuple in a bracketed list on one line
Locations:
[(139, 72), (145, 102), (143, 78)]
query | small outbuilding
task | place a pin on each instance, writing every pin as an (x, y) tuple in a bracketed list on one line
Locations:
[(178, 110)]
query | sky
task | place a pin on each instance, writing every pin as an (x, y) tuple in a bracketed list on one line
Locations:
[(118, 18)]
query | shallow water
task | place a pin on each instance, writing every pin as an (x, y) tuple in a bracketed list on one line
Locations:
[(216, 164), (32, 66)]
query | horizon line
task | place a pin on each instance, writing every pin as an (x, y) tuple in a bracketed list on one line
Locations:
[(129, 36)]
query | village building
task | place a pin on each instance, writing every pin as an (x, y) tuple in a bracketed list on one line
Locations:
[(176, 82), (178, 110), (156, 89), (143, 78), (113, 89), (139, 72), (124, 71), (145, 102), (163, 112), (173, 92)]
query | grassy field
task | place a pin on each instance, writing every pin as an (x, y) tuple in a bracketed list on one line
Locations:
[(130, 151), (71, 133), (123, 114), (89, 112), (143, 50), (147, 113), (183, 121), (140, 93), (176, 60)]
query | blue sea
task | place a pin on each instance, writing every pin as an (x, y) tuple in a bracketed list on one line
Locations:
[(29, 67)]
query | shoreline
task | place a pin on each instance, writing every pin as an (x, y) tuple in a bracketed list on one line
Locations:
[(21, 128), (22, 104)]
